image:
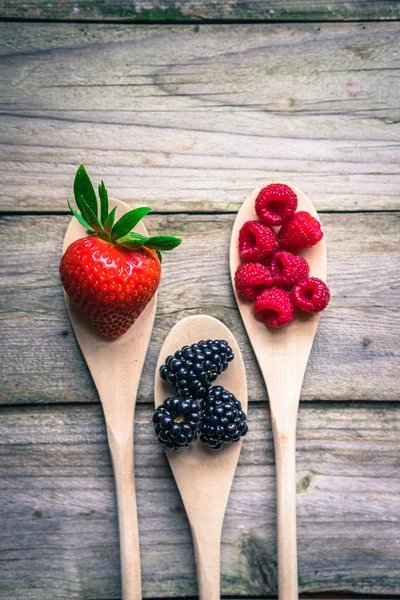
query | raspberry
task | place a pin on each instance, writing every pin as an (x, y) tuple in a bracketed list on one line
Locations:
[(301, 231), (274, 307), (287, 268), (276, 203), (251, 279), (256, 241), (311, 295)]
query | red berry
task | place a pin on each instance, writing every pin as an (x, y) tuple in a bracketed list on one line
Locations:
[(113, 274), (300, 231), (251, 279), (287, 268), (311, 294), (274, 307), (110, 284), (256, 241), (276, 203)]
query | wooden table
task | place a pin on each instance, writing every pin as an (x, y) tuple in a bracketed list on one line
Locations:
[(186, 106)]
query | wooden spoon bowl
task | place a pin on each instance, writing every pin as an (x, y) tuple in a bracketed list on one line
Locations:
[(204, 476), (282, 355), (116, 366)]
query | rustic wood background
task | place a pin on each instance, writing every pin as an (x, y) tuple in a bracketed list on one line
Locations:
[(188, 118)]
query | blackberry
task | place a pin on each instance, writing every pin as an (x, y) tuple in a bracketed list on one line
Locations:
[(192, 369), (223, 418), (177, 422)]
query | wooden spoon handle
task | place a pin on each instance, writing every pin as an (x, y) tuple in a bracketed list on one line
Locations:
[(207, 555), (285, 457), (122, 459)]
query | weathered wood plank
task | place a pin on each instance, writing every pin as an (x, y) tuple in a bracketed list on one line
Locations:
[(58, 514), (200, 10), (192, 118), (355, 354)]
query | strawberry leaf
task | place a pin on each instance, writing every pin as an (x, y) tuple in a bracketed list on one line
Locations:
[(80, 205), (103, 195), (159, 255), (90, 217), (163, 242), (128, 221), (81, 220), (132, 240), (109, 222), (83, 188)]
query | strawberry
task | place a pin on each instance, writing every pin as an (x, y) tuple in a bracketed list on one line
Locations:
[(112, 274)]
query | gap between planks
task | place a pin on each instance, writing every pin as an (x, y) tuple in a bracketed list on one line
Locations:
[(194, 213), (301, 597), (322, 404), (198, 21)]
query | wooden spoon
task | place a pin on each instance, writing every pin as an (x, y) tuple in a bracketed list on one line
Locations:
[(282, 355), (116, 367), (204, 476)]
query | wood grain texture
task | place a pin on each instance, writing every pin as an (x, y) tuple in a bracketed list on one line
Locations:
[(58, 513), (355, 353), (203, 476), (282, 355), (200, 10), (116, 367), (192, 117)]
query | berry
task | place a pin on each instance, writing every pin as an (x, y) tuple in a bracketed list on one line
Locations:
[(224, 421), (112, 274), (287, 268), (275, 203), (177, 422), (311, 295), (110, 284), (192, 369), (256, 241), (251, 279), (300, 231), (274, 307)]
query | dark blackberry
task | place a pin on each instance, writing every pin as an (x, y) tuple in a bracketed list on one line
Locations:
[(192, 369), (223, 418), (177, 422)]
